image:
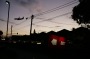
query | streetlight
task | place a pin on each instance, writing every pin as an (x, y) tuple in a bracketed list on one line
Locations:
[(7, 2)]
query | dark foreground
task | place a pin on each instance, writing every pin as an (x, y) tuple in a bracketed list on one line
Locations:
[(43, 53)]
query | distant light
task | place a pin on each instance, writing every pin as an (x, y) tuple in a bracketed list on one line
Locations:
[(3, 39), (38, 42), (54, 42), (14, 42), (62, 43)]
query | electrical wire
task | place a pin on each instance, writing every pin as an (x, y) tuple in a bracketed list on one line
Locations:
[(53, 17), (6, 21), (47, 20), (52, 10), (58, 8)]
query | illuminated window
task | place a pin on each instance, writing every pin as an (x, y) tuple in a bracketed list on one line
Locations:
[(62, 43), (54, 42)]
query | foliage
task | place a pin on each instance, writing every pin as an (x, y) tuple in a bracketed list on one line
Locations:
[(81, 12)]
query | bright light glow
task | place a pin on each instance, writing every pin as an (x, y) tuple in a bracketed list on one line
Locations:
[(38, 42), (6, 2), (62, 43), (54, 42), (3, 39)]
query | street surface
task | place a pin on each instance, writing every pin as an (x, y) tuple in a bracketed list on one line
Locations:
[(23, 53)]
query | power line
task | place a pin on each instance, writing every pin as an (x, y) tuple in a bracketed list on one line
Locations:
[(47, 20), (60, 23), (53, 17), (12, 22), (52, 10), (9, 21), (57, 8), (19, 23)]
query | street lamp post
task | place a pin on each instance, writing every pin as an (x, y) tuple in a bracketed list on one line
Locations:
[(7, 2)]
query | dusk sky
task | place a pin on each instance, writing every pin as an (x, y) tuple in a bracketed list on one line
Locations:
[(49, 15)]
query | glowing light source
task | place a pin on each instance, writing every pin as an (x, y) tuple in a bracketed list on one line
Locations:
[(62, 43), (54, 42), (3, 39), (62, 40), (6, 2), (38, 42)]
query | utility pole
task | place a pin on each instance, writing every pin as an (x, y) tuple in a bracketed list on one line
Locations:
[(11, 29), (32, 17), (7, 2)]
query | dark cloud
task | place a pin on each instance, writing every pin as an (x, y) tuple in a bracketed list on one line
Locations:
[(32, 5), (28, 2)]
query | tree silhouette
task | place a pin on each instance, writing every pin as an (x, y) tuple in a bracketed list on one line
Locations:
[(81, 12), (1, 32), (34, 31)]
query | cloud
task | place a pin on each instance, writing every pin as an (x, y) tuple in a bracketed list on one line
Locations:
[(31, 5)]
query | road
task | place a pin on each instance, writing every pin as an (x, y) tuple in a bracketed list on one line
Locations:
[(23, 53)]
